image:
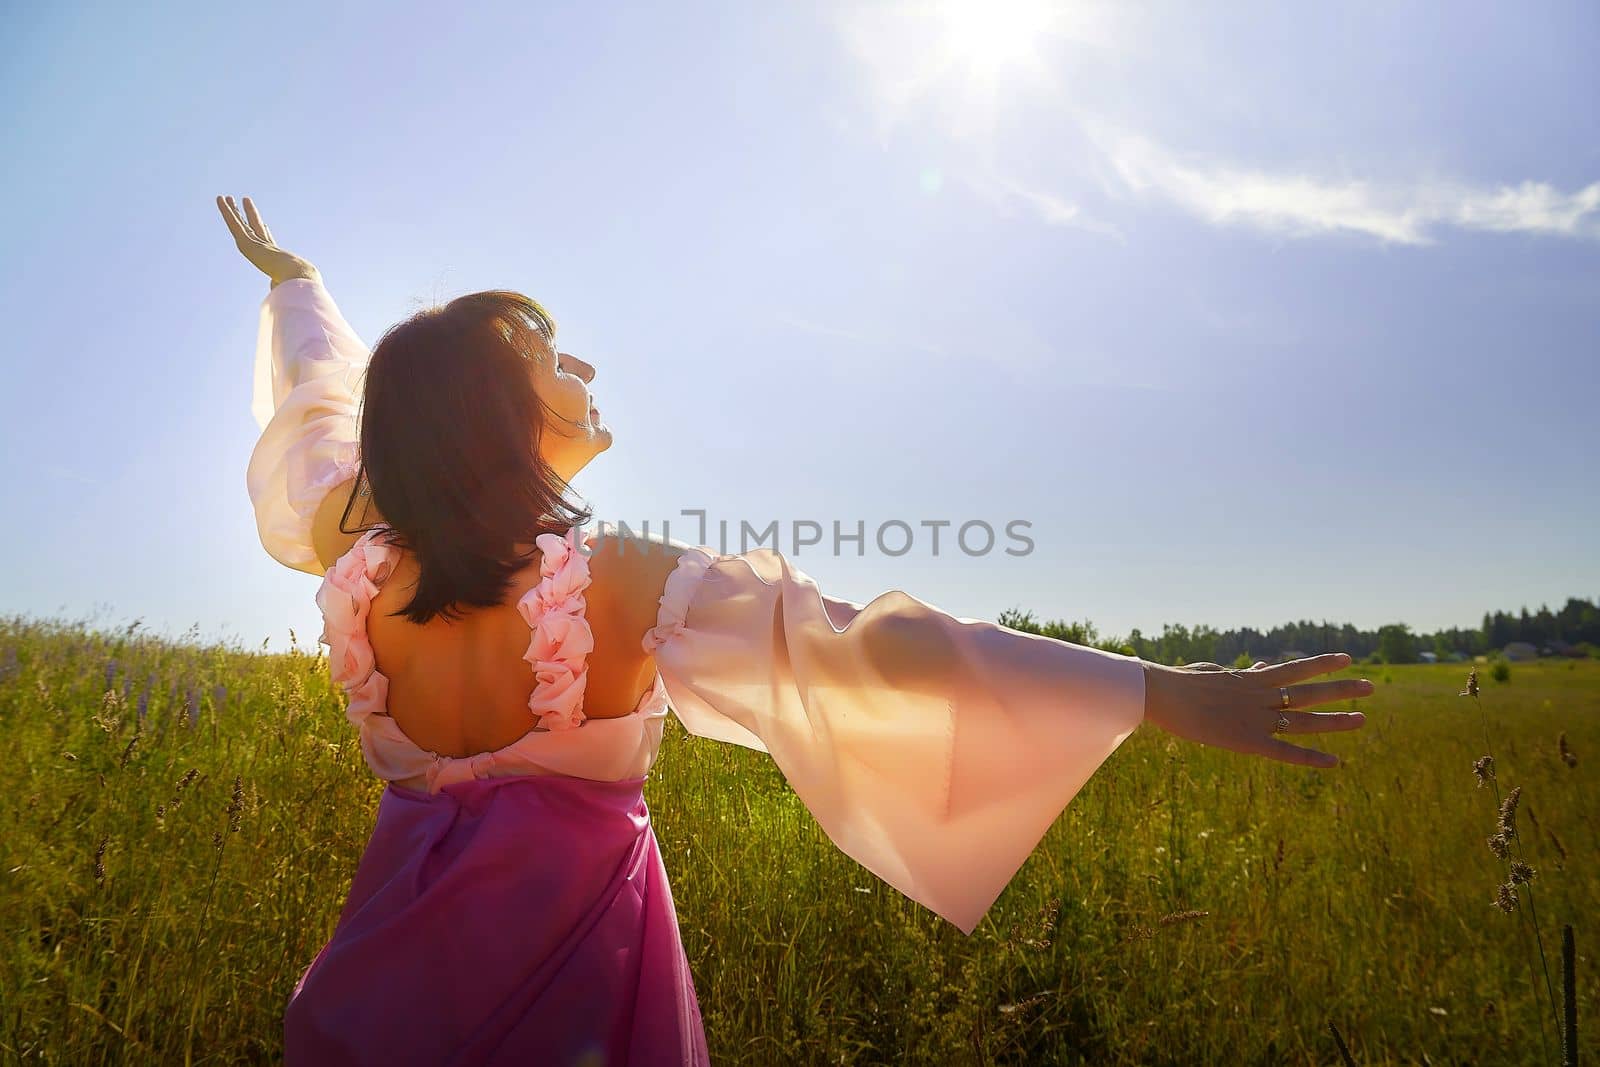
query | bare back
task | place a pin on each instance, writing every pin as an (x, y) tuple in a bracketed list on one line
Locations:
[(461, 687)]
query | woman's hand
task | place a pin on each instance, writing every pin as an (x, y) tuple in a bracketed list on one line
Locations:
[(256, 243), (1239, 709)]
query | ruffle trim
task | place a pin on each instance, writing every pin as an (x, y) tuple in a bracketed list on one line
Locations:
[(562, 640), (676, 596), (345, 597)]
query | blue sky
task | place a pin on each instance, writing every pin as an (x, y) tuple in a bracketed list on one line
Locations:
[(1256, 314)]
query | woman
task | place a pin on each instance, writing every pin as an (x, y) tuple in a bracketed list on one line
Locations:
[(511, 905)]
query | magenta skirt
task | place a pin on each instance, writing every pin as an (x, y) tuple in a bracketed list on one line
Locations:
[(515, 920)]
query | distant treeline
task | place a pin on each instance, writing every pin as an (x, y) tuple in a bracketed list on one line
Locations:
[(1576, 627)]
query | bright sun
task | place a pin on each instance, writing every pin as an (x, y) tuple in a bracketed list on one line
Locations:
[(974, 64), (992, 36)]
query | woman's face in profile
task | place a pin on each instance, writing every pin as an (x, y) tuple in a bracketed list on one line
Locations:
[(573, 434)]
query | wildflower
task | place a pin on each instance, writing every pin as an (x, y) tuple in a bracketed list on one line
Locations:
[(100, 861), (1508, 812), (191, 704), (1506, 899), (1567, 755), (1484, 769), (144, 696), (1521, 872), (111, 674), (1500, 846), (219, 696), (1472, 684)]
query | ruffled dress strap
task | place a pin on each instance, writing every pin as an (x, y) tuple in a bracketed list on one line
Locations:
[(345, 598), (561, 638)]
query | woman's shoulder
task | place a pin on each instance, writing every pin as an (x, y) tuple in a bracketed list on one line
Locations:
[(629, 573), (630, 562)]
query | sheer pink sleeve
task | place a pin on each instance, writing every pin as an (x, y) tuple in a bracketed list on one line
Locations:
[(308, 381), (935, 751)]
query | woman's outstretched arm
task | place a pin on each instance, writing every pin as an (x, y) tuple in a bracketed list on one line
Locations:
[(309, 367), (934, 750)]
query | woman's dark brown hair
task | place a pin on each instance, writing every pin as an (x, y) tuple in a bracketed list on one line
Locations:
[(450, 428)]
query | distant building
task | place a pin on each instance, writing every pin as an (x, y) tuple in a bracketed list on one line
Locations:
[(1428, 657), (1458, 657), (1520, 650), (1285, 657)]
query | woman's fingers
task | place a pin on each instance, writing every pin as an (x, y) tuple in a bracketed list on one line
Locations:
[(1297, 670), (230, 215), (1310, 694), (243, 221), (255, 221), (1323, 722)]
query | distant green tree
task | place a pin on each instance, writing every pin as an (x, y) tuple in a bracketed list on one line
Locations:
[(1397, 644), (1243, 660), (1074, 633)]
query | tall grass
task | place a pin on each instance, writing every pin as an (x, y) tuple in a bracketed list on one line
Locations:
[(181, 823)]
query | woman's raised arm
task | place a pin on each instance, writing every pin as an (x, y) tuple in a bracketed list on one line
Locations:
[(306, 394), (308, 383)]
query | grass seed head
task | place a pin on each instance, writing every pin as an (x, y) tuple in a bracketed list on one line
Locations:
[(1484, 769), (1521, 872), (1508, 812), (1568, 757), (1506, 899), (235, 804), (1182, 917)]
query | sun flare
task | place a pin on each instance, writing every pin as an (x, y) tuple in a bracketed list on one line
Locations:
[(989, 37)]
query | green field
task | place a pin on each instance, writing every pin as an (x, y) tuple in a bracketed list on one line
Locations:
[(145, 922)]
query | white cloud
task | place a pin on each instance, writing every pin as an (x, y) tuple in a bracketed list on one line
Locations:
[(1299, 205), (1048, 207), (914, 67)]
